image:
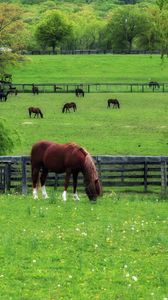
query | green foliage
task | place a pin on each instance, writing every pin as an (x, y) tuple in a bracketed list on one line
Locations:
[(53, 30), (6, 143)]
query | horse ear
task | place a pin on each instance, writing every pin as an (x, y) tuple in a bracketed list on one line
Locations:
[(98, 187)]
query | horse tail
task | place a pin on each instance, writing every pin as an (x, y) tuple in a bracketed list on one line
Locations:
[(83, 93), (108, 103), (41, 114), (118, 104), (63, 109), (29, 112)]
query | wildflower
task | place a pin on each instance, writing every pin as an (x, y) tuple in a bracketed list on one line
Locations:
[(34, 260), (134, 278)]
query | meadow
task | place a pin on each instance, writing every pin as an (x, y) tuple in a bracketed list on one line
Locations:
[(115, 249), (91, 69), (139, 127)]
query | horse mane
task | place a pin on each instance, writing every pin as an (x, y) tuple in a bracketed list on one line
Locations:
[(91, 175), (63, 109)]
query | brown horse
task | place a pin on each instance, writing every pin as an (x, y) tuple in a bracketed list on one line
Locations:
[(35, 89), (79, 92), (114, 102), (68, 106), (36, 111), (64, 158)]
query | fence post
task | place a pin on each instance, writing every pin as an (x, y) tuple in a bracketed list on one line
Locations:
[(145, 176), (163, 179), (24, 176)]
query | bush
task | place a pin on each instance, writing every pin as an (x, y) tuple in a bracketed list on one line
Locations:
[(6, 142)]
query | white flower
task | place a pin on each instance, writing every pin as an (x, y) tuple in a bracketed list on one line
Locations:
[(34, 260), (134, 278)]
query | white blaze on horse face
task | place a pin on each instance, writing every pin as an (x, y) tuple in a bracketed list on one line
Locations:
[(76, 198), (35, 194), (44, 193), (64, 196)]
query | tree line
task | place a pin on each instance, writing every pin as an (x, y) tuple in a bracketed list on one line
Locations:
[(126, 27)]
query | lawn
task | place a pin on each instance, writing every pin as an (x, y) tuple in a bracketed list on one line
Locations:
[(139, 127), (116, 249), (91, 69)]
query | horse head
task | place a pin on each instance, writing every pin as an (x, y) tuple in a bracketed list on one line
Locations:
[(93, 189)]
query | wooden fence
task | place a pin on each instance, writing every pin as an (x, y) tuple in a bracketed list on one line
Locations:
[(90, 87), (135, 172)]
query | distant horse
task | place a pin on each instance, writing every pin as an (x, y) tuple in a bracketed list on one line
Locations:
[(79, 92), (67, 158), (35, 89), (13, 90), (154, 84), (68, 106), (113, 102), (3, 95), (36, 111)]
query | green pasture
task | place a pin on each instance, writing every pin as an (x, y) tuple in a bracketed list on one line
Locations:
[(139, 127), (116, 249), (91, 69)]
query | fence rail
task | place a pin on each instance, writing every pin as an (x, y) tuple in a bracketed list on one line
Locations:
[(90, 87), (114, 171)]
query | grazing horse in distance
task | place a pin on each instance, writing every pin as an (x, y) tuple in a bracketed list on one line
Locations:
[(79, 92), (3, 95), (68, 106), (35, 89), (13, 90), (113, 102), (154, 84), (36, 111), (67, 158)]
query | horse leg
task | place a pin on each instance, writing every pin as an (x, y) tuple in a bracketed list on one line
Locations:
[(42, 180), (75, 179), (66, 184), (35, 176)]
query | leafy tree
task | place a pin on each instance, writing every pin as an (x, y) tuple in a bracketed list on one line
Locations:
[(6, 143), (11, 38), (125, 25), (53, 30)]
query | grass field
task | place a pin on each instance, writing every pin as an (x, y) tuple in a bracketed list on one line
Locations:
[(116, 249), (91, 69), (139, 127)]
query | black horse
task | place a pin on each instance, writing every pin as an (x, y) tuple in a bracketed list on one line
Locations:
[(154, 84), (4, 95), (35, 89), (13, 90), (113, 102), (68, 106), (79, 92)]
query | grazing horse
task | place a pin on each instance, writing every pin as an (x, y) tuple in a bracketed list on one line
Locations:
[(36, 111), (114, 102), (154, 84), (79, 92), (67, 158), (3, 95), (13, 90), (35, 89), (68, 106)]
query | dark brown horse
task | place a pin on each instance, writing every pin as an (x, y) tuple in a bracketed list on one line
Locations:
[(154, 84), (68, 106), (113, 102), (35, 89), (79, 92), (64, 158), (36, 111), (4, 95)]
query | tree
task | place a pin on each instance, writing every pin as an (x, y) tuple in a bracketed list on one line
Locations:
[(53, 30), (125, 25), (6, 143), (11, 38)]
